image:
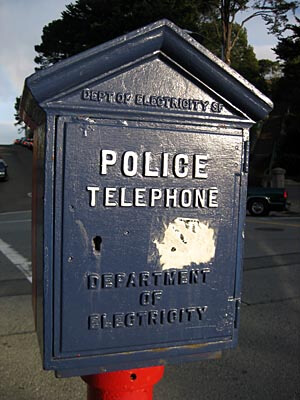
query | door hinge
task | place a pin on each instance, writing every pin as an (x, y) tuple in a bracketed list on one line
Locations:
[(236, 311), (246, 157)]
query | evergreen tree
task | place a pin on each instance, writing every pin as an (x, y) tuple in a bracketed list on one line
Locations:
[(19, 123), (287, 103), (88, 23)]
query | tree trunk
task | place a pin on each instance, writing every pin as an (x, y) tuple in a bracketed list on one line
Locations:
[(227, 32), (228, 47)]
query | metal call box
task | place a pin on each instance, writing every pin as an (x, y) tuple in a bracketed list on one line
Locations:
[(140, 171)]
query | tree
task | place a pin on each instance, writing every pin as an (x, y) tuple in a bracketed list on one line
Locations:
[(19, 122), (87, 23), (269, 74), (243, 57), (273, 12), (269, 69), (22, 128), (288, 51), (287, 101)]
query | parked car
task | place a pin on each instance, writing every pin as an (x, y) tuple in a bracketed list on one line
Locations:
[(20, 141), (3, 170), (28, 143), (261, 200)]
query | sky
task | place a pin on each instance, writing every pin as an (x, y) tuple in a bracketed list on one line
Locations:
[(21, 25)]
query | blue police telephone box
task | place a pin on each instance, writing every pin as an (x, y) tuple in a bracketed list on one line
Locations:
[(140, 170)]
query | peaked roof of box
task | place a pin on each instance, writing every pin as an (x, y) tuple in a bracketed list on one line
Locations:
[(160, 37)]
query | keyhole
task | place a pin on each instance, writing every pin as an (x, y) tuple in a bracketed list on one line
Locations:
[(97, 244)]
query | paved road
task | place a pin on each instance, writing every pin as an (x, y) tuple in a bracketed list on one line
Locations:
[(15, 256), (265, 366), (15, 194)]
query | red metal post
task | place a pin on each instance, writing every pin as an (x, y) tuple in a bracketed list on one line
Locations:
[(131, 384)]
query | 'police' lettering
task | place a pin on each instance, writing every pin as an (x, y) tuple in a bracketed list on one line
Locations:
[(130, 163)]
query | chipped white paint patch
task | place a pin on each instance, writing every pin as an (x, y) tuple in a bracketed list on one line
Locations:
[(186, 241)]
